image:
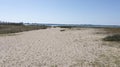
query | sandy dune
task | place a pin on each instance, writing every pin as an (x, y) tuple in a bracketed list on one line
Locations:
[(53, 48)]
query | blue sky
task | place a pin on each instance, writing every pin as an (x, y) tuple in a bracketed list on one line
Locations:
[(61, 11)]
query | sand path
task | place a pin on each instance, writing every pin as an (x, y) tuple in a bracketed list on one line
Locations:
[(50, 48)]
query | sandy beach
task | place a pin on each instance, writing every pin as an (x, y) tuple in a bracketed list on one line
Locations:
[(54, 48)]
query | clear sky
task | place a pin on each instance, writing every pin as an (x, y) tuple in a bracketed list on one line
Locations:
[(61, 11)]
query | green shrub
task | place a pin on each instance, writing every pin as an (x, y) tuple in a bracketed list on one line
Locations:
[(115, 37)]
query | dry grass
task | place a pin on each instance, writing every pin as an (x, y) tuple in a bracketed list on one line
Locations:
[(112, 37), (5, 29), (112, 30)]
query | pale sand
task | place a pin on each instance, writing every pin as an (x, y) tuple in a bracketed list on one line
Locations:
[(53, 48)]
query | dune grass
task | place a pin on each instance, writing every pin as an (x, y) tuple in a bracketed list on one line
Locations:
[(113, 34), (11, 28), (115, 37), (112, 30)]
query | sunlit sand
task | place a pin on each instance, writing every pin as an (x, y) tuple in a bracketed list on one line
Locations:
[(54, 48)]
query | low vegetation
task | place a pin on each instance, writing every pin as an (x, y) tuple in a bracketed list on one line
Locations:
[(112, 30), (113, 34), (62, 30), (6, 28), (66, 27), (115, 37)]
